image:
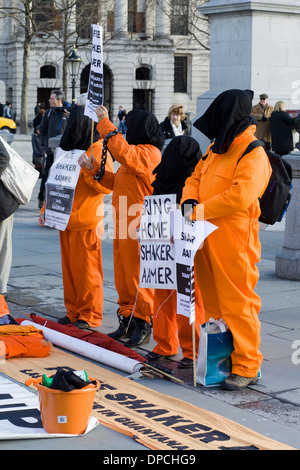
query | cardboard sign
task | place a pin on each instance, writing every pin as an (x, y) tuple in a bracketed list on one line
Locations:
[(95, 88), (188, 238), (157, 254), (60, 188)]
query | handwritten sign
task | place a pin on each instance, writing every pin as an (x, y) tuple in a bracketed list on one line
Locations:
[(188, 238), (95, 87), (60, 188), (157, 255)]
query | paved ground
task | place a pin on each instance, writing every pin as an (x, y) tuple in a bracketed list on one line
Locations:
[(271, 408)]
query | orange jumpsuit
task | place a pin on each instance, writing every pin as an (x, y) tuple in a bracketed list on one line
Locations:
[(130, 184), (81, 247), (171, 330), (225, 267)]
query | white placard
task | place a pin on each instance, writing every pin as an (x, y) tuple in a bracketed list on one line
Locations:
[(60, 188), (95, 88), (157, 253), (188, 238)]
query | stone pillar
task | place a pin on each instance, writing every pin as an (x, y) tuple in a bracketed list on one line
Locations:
[(254, 45), (287, 263), (121, 19), (162, 21)]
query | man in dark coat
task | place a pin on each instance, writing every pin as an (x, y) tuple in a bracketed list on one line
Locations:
[(53, 124)]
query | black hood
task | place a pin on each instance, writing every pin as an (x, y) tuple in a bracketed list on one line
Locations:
[(226, 117), (143, 128), (178, 162)]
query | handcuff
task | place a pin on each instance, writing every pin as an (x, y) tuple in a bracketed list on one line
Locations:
[(101, 172)]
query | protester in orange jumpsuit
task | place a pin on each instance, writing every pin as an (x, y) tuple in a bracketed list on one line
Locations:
[(138, 155), (81, 240), (225, 191), (169, 329)]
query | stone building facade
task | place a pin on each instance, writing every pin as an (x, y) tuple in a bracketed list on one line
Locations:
[(150, 61)]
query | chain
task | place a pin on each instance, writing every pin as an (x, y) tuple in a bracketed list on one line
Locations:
[(101, 172)]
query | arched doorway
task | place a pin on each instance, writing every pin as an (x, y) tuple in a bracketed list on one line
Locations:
[(143, 92), (84, 83)]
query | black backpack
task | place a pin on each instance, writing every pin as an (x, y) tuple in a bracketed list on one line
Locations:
[(277, 196)]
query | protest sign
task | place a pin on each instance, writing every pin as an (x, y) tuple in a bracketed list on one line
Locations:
[(95, 88), (188, 237), (157, 266), (60, 188)]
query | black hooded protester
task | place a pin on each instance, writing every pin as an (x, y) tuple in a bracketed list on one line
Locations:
[(138, 155), (169, 329), (227, 191)]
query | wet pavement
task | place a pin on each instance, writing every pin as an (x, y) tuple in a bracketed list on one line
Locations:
[(272, 407)]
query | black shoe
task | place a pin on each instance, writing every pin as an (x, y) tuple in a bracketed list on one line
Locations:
[(154, 357), (141, 333), (81, 324), (185, 363), (126, 328), (64, 320)]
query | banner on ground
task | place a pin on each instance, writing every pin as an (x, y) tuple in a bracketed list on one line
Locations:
[(95, 88), (156, 420), (60, 188)]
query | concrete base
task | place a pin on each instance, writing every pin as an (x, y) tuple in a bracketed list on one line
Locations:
[(287, 264)]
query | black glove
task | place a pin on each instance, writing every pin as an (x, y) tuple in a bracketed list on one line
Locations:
[(187, 205), (264, 118)]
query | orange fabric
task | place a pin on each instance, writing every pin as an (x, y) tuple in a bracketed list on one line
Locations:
[(131, 184), (88, 209), (22, 340), (226, 265), (25, 346), (82, 275), (20, 330), (81, 247), (171, 330), (3, 306)]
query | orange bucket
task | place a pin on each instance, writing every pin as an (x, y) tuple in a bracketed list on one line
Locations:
[(65, 412)]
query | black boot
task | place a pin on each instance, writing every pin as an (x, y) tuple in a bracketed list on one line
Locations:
[(141, 334), (125, 329)]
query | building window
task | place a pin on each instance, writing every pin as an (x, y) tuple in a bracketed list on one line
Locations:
[(179, 17), (143, 73), (47, 71), (86, 15), (136, 19), (46, 16), (180, 74)]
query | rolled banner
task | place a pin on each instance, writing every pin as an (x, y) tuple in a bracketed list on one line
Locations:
[(90, 351)]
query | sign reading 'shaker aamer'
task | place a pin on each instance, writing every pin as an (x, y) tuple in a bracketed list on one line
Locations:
[(157, 254)]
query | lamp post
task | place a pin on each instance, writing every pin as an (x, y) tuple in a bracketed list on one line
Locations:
[(73, 64)]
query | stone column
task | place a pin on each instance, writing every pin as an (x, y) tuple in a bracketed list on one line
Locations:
[(254, 45), (287, 263), (162, 21), (121, 19)]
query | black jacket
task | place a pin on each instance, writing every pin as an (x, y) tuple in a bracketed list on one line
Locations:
[(53, 124), (8, 204), (167, 128), (281, 132)]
